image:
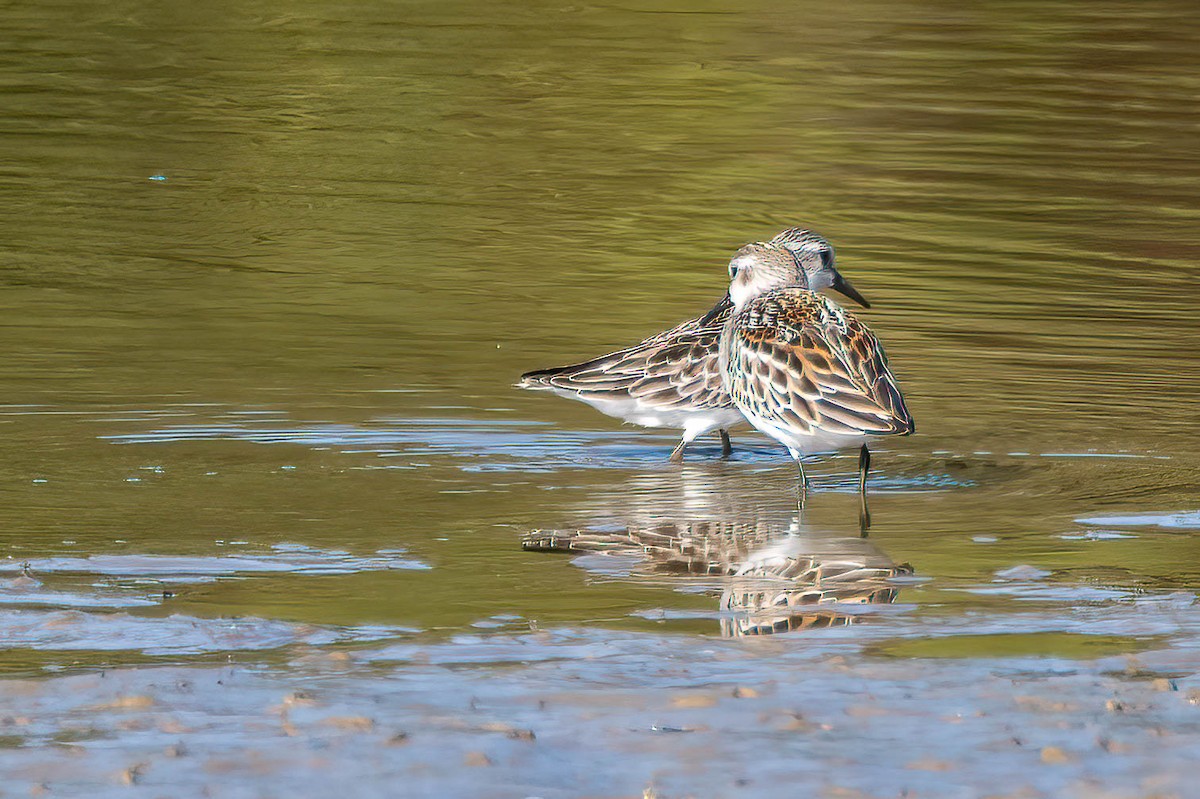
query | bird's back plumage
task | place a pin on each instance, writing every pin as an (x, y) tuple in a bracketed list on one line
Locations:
[(676, 369), (798, 363)]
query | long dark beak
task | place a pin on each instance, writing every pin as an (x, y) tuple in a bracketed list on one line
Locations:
[(842, 285), (723, 305)]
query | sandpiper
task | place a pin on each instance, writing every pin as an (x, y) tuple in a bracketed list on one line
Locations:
[(673, 379), (802, 370)]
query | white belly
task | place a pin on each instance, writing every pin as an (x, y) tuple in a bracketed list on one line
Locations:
[(695, 422), (802, 444)]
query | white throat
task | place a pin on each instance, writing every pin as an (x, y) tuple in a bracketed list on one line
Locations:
[(740, 294)]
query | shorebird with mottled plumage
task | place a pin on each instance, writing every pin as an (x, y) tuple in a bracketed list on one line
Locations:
[(673, 379), (801, 369)]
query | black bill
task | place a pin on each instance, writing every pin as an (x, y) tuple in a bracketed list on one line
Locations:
[(723, 305), (842, 286)]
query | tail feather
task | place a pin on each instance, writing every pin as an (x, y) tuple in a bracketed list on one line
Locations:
[(613, 372), (539, 379)]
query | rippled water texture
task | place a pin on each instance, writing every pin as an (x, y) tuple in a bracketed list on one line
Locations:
[(268, 272)]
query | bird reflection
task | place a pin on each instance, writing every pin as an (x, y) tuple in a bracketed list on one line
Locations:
[(737, 535)]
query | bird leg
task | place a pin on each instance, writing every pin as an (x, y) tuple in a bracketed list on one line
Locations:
[(803, 482), (677, 453), (864, 512), (726, 445), (864, 465)]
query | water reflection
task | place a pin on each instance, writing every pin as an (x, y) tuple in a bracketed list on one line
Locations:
[(714, 529)]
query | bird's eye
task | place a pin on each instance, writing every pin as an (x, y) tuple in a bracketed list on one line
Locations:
[(733, 271)]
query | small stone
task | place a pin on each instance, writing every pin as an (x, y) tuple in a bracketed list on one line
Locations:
[(1163, 684), (351, 723), (1114, 747), (1054, 755), (693, 700), (476, 759), (303, 698), (794, 722), (127, 703), (744, 692), (133, 774), (1039, 705), (398, 739)]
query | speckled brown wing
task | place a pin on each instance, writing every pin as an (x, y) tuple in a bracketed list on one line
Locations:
[(799, 361), (684, 371), (676, 368)]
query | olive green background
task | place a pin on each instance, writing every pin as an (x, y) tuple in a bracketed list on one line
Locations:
[(375, 216)]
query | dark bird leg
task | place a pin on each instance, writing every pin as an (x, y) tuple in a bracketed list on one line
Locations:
[(726, 444), (677, 453), (864, 465), (864, 512)]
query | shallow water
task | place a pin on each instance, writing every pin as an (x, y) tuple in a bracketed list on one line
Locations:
[(269, 273)]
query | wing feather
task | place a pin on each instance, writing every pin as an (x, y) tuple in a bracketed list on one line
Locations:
[(675, 368), (798, 360)]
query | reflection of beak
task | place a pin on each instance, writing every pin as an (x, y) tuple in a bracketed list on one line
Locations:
[(722, 305), (842, 285)]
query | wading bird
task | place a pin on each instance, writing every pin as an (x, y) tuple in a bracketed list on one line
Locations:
[(673, 379), (799, 368)]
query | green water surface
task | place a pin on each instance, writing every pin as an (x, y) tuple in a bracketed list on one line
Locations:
[(268, 272)]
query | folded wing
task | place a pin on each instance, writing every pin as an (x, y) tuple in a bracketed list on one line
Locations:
[(678, 367), (799, 360)]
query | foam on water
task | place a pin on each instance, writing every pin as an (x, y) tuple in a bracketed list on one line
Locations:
[(73, 630), (1186, 520), (507, 445), (283, 558)]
